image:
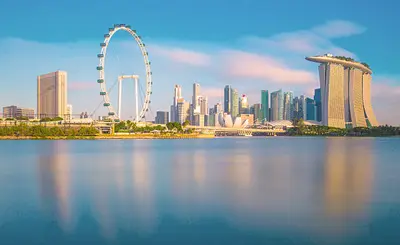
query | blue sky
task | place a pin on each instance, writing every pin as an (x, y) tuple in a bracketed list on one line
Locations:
[(250, 44)]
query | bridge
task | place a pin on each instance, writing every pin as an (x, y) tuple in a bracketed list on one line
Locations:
[(237, 131)]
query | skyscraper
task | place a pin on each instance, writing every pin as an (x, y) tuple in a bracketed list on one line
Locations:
[(345, 92), (235, 103), (174, 109), (317, 99), (218, 108), (195, 98), (183, 110), (311, 109), (288, 106), (257, 112), (265, 104), (204, 105), (52, 94), (277, 105), (162, 117), (227, 99), (243, 105)]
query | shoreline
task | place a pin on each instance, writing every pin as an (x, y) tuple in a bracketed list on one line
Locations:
[(105, 137)]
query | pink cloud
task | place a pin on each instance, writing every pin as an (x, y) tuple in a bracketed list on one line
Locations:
[(182, 55), (82, 85), (211, 92), (249, 65)]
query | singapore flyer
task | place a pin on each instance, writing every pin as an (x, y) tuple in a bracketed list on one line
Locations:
[(112, 113)]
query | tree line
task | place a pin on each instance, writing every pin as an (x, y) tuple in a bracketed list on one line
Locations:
[(42, 131), (301, 129)]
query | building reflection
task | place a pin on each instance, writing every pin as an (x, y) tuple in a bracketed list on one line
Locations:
[(54, 177), (143, 179), (348, 178)]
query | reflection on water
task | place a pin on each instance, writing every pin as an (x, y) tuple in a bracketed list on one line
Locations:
[(248, 190), (54, 179)]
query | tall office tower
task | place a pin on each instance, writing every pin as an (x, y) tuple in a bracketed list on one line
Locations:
[(52, 94), (235, 103), (295, 108), (227, 99), (265, 104), (174, 109), (302, 107), (243, 105), (162, 117), (277, 105), (311, 111), (317, 99), (257, 112), (183, 110), (195, 98), (204, 105), (288, 106), (345, 92), (218, 108)]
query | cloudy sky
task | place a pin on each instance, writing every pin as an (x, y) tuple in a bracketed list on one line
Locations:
[(250, 44)]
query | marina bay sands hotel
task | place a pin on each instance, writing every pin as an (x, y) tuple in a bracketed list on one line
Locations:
[(345, 92)]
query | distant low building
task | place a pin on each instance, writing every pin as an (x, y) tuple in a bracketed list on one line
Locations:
[(248, 117), (17, 112)]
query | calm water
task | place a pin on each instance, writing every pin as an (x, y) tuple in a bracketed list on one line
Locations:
[(223, 191)]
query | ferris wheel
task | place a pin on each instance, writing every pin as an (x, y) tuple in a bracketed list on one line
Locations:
[(140, 113)]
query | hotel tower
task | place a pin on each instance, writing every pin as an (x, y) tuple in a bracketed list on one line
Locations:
[(345, 92), (52, 95)]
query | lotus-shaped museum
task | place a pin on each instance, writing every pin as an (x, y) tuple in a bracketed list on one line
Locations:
[(227, 121)]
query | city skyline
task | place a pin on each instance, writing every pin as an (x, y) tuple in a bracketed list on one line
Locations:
[(182, 57)]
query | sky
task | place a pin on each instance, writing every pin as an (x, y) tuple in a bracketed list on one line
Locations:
[(249, 44)]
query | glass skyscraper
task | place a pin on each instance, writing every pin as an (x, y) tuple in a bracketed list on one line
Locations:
[(265, 104), (317, 99), (277, 105), (311, 109), (288, 106), (227, 99)]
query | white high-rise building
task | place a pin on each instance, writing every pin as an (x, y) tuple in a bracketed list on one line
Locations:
[(288, 106), (195, 98), (174, 108), (204, 105), (52, 95)]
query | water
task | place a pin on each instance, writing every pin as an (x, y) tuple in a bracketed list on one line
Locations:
[(222, 191)]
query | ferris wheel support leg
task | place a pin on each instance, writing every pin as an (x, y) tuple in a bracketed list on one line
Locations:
[(136, 100), (119, 97)]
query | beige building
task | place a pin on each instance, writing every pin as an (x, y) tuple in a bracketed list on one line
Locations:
[(52, 95), (183, 108), (345, 92)]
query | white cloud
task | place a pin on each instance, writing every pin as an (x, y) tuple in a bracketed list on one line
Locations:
[(338, 28)]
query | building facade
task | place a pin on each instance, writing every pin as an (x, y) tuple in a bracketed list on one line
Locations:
[(162, 117), (277, 105), (317, 99), (288, 106), (227, 99), (244, 105), (311, 112), (52, 95), (235, 103), (18, 112), (174, 108), (265, 104), (257, 112), (345, 92), (183, 110)]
